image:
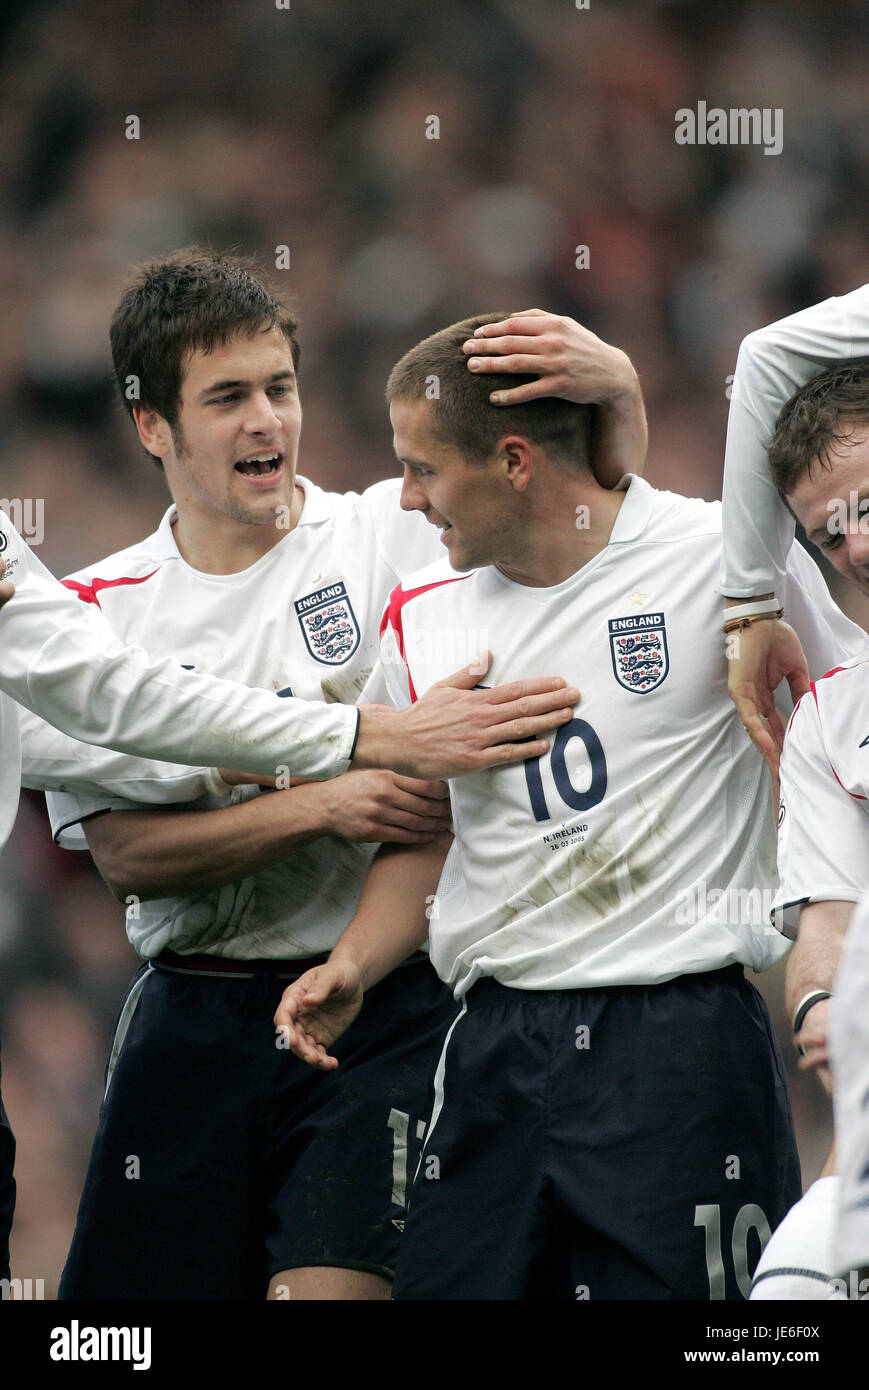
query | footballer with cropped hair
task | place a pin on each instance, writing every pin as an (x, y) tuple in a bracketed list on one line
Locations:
[(610, 1117)]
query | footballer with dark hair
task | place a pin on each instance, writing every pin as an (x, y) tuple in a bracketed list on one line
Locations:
[(251, 1177)]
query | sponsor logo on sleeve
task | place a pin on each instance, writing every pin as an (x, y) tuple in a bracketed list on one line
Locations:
[(10, 552), (328, 624), (638, 646)]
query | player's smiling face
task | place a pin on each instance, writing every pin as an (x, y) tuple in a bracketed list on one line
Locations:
[(233, 451), (468, 502), (833, 507)]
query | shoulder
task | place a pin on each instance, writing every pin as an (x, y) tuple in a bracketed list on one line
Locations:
[(430, 577), (132, 566), (831, 719), (378, 503), (403, 540), (680, 517), (839, 694), (416, 586), (840, 683), (650, 515)]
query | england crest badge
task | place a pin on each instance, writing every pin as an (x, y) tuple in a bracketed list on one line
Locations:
[(329, 624), (639, 652)]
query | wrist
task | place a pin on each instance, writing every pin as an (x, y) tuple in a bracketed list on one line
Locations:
[(309, 809), (627, 389), (755, 598), (808, 1001), (376, 739), (344, 955), (742, 615)]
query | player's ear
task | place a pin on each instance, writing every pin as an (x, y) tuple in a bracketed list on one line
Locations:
[(515, 452), (154, 430)]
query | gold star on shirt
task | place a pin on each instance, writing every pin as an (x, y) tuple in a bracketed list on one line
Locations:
[(637, 600)]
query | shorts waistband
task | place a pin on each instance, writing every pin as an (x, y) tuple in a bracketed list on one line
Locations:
[(489, 987), (223, 966)]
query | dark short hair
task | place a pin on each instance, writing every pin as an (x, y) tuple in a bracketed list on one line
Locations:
[(195, 299), (436, 370), (815, 419)]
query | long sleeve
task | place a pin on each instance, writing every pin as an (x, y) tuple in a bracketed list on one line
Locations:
[(60, 658), (52, 761), (773, 363)]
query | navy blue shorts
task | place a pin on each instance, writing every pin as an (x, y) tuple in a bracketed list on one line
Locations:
[(221, 1159), (615, 1143)]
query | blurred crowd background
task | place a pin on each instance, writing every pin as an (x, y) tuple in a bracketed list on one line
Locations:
[(306, 127)]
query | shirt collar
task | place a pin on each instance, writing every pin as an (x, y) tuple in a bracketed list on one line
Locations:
[(633, 515)]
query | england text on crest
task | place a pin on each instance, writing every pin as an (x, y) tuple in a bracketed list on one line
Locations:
[(329, 624), (639, 651)]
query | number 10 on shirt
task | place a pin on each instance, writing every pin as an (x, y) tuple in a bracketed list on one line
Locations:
[(570, 795)]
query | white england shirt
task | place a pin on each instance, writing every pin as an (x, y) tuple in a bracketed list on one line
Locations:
[(773, 363), (61, 659), (824, 817), (303, 620), (633, 851)]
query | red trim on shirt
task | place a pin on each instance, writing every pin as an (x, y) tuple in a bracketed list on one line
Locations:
[(88, 592), (393, 617), (824, 677), (855, 795), (814, 695)]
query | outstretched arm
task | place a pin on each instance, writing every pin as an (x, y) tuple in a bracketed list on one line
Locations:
[(569, 361), (60, 658), (773, 363), (456, 728), (390, 923)]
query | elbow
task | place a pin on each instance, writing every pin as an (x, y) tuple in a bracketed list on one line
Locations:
[(751, 349), (120, 885), (123, 879)]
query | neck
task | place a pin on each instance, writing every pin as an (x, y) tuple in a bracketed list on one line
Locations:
[(563, 537), (217, 544)]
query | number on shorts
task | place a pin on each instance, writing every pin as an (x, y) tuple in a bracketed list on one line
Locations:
[(399, 1123), (748, 1218)]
